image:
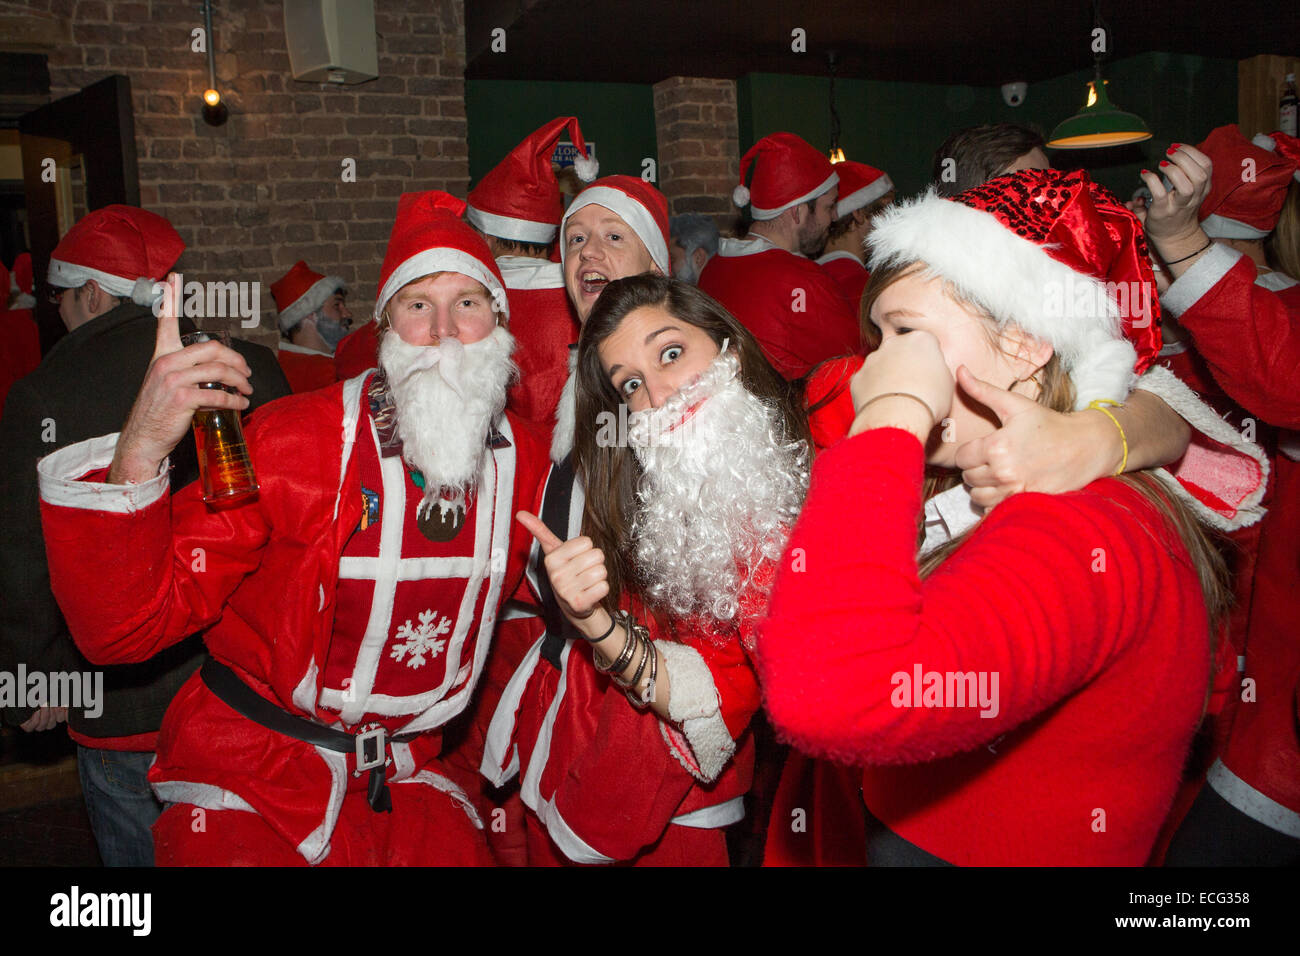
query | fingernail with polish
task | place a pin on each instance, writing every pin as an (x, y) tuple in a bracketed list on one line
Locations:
[(1164, 162)]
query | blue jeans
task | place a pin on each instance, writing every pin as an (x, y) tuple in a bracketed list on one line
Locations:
[(120, 803)]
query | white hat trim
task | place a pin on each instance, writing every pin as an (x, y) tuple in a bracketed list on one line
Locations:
[(1270, 144), (864, 196), (758, 213), (71, 275), (1221, 227), (1014, 280), (309, 301), (631, 212), (441, 259), (508, 227)]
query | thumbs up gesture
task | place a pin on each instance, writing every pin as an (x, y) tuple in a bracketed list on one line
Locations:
[(170, 394), (576, 568)]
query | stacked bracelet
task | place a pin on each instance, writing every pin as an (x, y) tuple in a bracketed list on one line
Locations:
[(625, 656), (1098, 405)]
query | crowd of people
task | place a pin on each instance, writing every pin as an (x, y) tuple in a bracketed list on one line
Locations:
[(956, 529)]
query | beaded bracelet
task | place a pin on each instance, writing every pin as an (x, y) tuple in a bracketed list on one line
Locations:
[(1097, 405)]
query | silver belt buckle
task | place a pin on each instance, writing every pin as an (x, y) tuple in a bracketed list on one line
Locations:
[(370, 749)]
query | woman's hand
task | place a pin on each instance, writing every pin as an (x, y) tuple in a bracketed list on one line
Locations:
[(1171, 221), (1036, 449), (910, 370), (170, 395), (577, 572)]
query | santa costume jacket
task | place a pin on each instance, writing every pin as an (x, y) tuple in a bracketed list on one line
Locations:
[(1247, 329), (795, 310), (850, 275), (544, 326), (135, 571), (606, 781)]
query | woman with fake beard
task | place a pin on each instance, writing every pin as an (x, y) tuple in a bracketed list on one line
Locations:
[(1026, 693), (629, 725)]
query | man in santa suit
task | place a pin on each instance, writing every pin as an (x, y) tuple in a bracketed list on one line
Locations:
[(766, 280), (864, 191), (349, 607), (314, 318), (517, 207), (1208, 225)]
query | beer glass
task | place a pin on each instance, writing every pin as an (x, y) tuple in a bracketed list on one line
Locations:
[(224, 466)]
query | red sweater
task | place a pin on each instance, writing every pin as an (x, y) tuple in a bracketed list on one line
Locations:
[(1102, 674)]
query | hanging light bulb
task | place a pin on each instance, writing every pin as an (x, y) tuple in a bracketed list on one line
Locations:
[(214, 110), (1099, 123), (836, 154)]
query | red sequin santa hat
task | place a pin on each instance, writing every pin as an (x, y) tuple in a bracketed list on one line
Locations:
[(1247, 187), (1052, 252), (429, 236), (860, 186), (782, 171), (520, 198), (126, 250), (300, 292), (637, 203), (1277, 142)]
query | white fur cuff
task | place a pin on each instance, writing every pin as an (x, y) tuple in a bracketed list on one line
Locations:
[(694, 704), (59, 473)]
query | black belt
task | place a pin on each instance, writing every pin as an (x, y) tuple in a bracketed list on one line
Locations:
[(370, 747)]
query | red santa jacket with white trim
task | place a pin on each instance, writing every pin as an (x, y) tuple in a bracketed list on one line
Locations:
[(795, 310), (136, 571), (850, 275), (544, 326)]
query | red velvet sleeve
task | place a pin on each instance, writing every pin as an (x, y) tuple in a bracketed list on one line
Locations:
[(1043, 594), (1249, 335)]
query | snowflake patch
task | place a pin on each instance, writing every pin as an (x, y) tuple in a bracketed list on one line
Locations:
[(418, 641)]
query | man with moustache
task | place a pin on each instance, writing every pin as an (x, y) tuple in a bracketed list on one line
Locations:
[(767, 279), (350, 606)]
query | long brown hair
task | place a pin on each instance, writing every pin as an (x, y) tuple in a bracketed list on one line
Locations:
[(1057, 393), (1282, 247), (609, 470)]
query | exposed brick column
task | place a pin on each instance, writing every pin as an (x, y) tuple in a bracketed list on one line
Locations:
[(699, 157)]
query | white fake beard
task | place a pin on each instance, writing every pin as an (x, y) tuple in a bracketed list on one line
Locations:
[(447, 397), (719, 494)]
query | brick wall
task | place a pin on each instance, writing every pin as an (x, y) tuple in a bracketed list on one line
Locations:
[(266, 189), (699, 162)]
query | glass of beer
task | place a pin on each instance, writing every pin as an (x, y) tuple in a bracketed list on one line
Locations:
[(224, 466)]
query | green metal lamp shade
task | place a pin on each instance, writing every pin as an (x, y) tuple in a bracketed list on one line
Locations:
[(1099, 124)]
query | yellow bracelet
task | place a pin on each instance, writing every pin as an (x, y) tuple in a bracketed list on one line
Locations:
[(1097, 405)]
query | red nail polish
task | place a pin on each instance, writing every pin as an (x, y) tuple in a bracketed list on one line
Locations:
[(1147, 171), (1164, 162), (1173, 149)]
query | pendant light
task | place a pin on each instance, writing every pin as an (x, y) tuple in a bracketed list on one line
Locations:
[(1099, 123)]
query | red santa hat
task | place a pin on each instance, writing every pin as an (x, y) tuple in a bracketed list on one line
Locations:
[(860, 186), (126, 250), (300, 292), (20, 282), (1247, 187), (637, 203), (1280, 143), (782, 171), (520, 198), (1052, 252), (429, 236)]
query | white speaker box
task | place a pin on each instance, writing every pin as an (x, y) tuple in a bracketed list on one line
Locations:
[(331, 41)]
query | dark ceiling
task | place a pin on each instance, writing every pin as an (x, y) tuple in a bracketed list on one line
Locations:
[(978, 42)]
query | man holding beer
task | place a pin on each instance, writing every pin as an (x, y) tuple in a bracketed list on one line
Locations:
[(349, 605)]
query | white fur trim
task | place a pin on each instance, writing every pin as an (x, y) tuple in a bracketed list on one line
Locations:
[(1221, 227), (566, 415), (308, 302), (750, 246), (864, 196), (440, 259), (204, 795), (711, 818), (444, 785), (508, 227), (57, 474), (500, 755), (1255, 804), (839, 254), (631, 212), (317, 844), (813, 193), (740, 196), (1014, 280), (1204, 467), (72, 275), (1275, 281), (520, 272), (693, 703), (1201, 276), (587, 167)]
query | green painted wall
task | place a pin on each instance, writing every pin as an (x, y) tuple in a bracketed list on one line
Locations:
[(897, 126), (619, 117)]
